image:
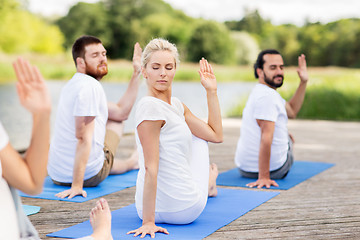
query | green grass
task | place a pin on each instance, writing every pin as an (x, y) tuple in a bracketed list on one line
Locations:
[(57, 67), (6, 72)]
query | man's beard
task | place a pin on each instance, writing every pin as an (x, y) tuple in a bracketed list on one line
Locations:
[(271, 82), (98, 73)]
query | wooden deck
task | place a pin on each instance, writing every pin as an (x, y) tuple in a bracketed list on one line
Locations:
[(326, 206)]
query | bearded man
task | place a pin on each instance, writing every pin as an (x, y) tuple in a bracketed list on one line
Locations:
[(264, 149), (88, 128)]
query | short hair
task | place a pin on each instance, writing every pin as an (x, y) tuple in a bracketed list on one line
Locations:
[(260, 59), (78, 48), (159, 44)]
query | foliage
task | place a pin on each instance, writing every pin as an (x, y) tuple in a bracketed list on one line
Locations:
[(252, 22), (246, 47), (330, 104), (6, 6), (165, 26), (344, 42), (314, 42), (336, 43), (284, 38), (121, 23), (85, 19), (125, 18), (211, 40), (22, 32)]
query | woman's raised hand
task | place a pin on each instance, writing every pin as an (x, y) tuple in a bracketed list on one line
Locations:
[(31, 87), (207, 76)]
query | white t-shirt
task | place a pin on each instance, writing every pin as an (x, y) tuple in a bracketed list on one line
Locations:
[(176, 189), (4, 139), (81, 96), (264, 103), (8, 220)]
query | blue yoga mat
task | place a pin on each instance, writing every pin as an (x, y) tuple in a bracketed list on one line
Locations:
[(229, 205), (30, 210), (112, 183), (299, 172)]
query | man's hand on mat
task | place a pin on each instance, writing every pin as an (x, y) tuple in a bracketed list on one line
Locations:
[(264, 182), (72, 192), (148, 228)]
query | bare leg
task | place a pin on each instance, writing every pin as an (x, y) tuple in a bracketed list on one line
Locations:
[(213, 174), (100, 219), (123, 166), (113, 135)]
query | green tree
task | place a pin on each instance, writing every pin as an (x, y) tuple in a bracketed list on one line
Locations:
[(284, 38), (175, 29), (22, 31), (211, 40), (6, 8), (123, 15), (7, 5), (314, 43), (85, 19), (335, 43), (121, 23), (252, 22), (344, 51)]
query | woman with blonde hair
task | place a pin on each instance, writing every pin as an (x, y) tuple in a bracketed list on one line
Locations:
[(175, 177)]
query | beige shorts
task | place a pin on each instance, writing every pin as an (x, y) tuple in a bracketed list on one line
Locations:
[(110, 145)]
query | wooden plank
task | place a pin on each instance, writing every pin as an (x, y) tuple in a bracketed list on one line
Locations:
[(323, 207)]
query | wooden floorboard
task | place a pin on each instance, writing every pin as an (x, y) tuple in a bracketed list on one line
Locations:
[(327, 206)]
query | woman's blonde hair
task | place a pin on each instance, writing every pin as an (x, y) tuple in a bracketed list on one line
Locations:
[(159, 44)]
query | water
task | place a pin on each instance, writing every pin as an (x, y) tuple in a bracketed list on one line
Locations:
[(17, 121)]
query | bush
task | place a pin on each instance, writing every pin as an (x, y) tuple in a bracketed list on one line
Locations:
[(246, 46), (330, 104), (23, 32), (211, 40)]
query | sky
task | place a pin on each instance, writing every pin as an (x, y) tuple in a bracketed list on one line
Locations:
[(278, 11)]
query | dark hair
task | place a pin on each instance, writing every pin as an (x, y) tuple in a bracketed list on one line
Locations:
[(260, 59), (78, 48)]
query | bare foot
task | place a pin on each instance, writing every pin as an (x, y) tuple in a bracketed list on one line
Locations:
[(100, 219), (213, 174)]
